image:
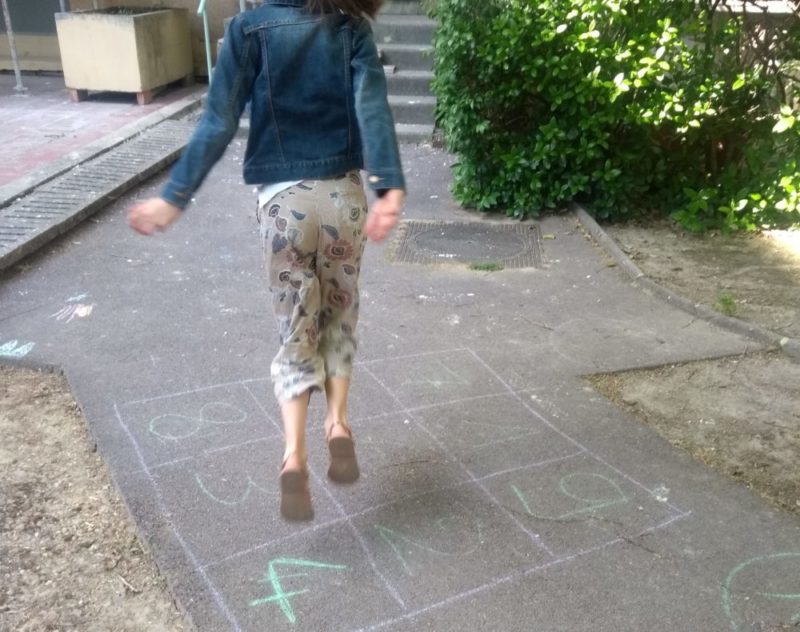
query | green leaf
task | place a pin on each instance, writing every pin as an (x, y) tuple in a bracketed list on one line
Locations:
[(784, 123)]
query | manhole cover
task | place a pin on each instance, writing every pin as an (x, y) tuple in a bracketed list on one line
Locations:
[(510, 245)]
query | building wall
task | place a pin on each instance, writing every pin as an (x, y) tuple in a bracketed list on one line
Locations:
[(34, 33), (37, 44)]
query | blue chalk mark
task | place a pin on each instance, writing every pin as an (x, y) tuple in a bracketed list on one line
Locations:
[(727, 606), (595, 504), (251, 485), (282, 598), (393, 538), (224, 415), (12, 349)]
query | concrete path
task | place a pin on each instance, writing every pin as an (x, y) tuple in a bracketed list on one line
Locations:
[(44, 134), (499, 492)]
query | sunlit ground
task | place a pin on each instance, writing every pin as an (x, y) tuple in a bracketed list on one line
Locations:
[(787, 242)]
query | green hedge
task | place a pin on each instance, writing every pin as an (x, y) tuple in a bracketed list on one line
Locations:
[(624, 105)]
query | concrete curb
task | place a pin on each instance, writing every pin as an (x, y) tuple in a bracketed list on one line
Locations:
[(20, 187), (36, 240), (790, 346)]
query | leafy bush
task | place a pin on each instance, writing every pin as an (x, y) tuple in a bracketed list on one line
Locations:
[(626, 105)]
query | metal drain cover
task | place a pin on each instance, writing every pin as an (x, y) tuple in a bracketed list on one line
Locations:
[(510, 245)]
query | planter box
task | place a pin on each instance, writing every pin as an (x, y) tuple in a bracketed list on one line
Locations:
[(124, 50)]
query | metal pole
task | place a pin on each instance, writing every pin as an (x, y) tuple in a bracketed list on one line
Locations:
[(242, 7), (12, 45), (63, 5), (208, 44), (201, 9)]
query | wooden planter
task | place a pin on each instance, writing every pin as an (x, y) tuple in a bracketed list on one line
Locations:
[(124, 50)]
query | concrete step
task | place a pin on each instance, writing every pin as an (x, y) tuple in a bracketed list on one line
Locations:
[(410, 82), (407, 133), (403, 29), (392, 7), (413, 110), (408, 56), (402, 7)]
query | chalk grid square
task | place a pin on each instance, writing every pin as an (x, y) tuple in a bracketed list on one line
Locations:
[(552, 500)]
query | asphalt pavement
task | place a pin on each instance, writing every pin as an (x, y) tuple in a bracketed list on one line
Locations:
[(498, 490)]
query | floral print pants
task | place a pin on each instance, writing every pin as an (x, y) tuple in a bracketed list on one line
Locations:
[(313, 239)]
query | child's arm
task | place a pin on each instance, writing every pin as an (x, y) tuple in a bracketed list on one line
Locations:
[(151, 215), (375, 122), (228, 93), (231, 86)]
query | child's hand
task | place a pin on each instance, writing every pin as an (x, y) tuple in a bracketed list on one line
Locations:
[(151, 215), (384, 214)]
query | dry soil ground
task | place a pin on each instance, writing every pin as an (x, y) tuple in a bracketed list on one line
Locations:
[(69, 559), (739, 415)]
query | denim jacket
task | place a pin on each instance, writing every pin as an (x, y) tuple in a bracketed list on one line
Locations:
[(318, 102)]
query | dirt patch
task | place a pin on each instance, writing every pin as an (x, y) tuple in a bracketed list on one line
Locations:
[(754, 277), (69, 558), (739, 415)]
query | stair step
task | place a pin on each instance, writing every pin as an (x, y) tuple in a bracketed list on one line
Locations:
[(413, 109), (402, 7), (404, 29), (410, 82), (408, 133), (408, 56)]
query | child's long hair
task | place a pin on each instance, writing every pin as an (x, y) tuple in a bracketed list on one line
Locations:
[(357, 8)]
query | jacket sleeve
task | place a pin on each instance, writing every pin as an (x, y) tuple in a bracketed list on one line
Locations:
[(375, 123), (230, 89)]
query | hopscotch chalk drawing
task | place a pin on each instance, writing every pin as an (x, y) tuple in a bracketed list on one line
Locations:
[(279, 595), (13, 349), (502, 434), (439, 376), (569, 486), (175, 427), (394, 548), (251, 486), (769, 584), (74, 309), (453, 544)]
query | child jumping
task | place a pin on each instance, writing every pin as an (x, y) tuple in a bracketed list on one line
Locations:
[(319, 113)]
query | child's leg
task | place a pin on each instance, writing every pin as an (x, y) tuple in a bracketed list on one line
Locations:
[(336, 391), (295, 492), (290, 229), (341, 246), (294, 413)]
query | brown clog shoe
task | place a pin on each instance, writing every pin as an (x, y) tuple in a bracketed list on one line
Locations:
[(295, 494), (344, 466)]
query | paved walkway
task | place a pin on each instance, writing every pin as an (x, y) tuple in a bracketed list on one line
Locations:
[(499, 492), (42, 126)]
